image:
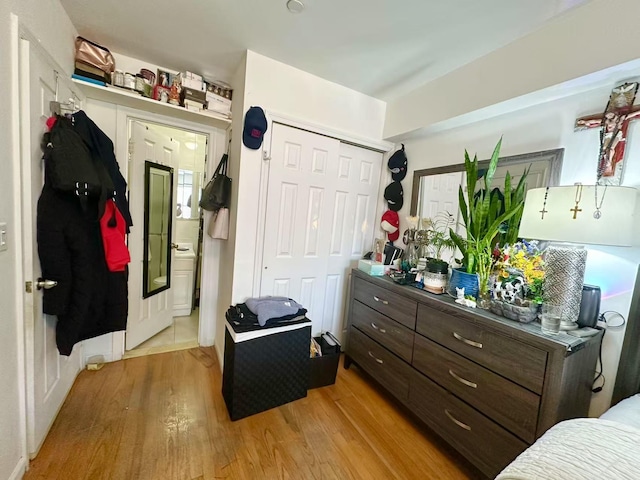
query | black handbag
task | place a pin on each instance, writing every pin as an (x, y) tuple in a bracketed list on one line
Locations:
[(217, 193)]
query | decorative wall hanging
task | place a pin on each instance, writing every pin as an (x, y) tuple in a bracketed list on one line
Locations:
[(613, 124)]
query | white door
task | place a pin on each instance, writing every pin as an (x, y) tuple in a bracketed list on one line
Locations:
[(49, 375), (320, 219), (153, 314), (538, 175)]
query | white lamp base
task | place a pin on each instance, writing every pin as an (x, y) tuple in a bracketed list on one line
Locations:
[(566, 325)]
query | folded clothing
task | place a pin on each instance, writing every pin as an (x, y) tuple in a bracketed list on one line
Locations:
[(243, 320), (267, 308)]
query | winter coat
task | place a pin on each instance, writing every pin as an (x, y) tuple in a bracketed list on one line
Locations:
[(101, 148), (88, 300)]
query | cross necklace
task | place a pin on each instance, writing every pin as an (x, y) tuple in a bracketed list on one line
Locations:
[(544, 206), (578, 197)]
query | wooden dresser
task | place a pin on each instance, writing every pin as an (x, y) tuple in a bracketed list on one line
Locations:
[(487, 385)]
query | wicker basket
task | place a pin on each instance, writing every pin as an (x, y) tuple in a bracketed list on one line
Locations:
[(515, 312)]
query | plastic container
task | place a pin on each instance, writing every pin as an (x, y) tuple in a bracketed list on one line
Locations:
[(139, 87), (118, 78), (129, 81)]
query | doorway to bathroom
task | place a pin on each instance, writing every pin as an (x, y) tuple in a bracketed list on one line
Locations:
[(164, 316)]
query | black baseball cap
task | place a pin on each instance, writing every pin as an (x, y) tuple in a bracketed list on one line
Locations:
[(255, 126), (398, 165), (394, 195)]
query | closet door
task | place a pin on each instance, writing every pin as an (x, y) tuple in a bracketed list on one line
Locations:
[(320, 219)]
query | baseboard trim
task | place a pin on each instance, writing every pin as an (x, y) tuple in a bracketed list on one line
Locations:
[(20, 470)]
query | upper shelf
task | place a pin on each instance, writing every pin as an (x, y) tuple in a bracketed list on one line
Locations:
[(126, 98)]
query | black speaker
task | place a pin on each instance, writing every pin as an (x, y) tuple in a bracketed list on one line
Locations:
[(589, 306)]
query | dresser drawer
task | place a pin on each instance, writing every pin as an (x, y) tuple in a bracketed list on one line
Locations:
[(388, 333), (401, 309), (510, 358), (483, 442), (512, 406), (384, 366)]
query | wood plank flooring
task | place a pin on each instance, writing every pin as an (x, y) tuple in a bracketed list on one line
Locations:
[(163, 417)]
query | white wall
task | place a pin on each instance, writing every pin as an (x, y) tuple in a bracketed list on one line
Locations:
[(281, 89), (561, 53), (48, 21), (543, 127)]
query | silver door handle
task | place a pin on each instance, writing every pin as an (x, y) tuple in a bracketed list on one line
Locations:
[(468, 342), (375, 358), (457, 422), (46, 284), (375, 327), (384, 302), (174, 246), (462, 380)]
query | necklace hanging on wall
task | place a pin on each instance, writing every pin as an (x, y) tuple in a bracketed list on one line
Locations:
[(597, 214), (578, 197), (544, 205)]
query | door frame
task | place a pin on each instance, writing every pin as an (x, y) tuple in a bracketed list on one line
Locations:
[(210, 249), (381, 146)]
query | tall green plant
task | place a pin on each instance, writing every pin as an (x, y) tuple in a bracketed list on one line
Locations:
[(485, 216)]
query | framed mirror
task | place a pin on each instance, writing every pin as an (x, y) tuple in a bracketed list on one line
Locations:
[(436, 189), (158, 214)]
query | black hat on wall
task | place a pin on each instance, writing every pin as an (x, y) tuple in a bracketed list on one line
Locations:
[(255, 126), (398, 165), (394, 195)]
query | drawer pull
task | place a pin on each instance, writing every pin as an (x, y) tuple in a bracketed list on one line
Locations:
[(375, 327), (457, 422), (375, 358), (468, 342), (384, 302), (462, 380)]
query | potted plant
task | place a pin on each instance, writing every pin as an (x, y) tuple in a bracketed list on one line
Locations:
[(519, 276), (437, 242), (485, 216)]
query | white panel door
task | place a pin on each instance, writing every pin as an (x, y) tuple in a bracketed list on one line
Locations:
[(151, 315), (49, 375), (320, 218)]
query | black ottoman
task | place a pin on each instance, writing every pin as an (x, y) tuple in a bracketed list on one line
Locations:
[(265, 368)]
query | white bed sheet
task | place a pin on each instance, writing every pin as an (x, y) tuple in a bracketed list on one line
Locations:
[(580, 449)]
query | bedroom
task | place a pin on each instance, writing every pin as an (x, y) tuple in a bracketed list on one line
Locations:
[(524, 106)]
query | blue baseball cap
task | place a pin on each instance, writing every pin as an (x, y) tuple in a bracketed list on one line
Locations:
[(255, 126)]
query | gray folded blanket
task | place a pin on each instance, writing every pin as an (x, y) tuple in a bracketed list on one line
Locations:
[(267, 308)]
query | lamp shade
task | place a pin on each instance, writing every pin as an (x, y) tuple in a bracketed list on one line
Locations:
[(600, 215)]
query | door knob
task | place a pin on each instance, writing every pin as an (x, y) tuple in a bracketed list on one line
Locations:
[(46, 284), (174, 246)]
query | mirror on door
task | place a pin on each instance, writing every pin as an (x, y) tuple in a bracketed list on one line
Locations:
[(158, 201)]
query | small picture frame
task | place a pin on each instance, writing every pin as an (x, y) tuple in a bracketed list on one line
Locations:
[(165, 78)]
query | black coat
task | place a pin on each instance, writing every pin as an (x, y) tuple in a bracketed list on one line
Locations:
[(101, 148), (88, 300)]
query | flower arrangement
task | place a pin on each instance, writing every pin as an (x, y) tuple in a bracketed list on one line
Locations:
[(519, 273)]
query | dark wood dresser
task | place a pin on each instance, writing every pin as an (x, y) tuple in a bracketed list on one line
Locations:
[(487, 385)]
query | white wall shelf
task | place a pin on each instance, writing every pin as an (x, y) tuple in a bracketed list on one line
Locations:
[(127, 98)]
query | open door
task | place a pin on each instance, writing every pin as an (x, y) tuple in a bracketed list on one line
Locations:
[(49, 375), (148, 314)]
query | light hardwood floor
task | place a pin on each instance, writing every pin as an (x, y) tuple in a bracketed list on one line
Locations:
[(163, 417)]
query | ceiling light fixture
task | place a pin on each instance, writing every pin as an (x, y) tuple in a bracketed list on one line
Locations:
[(295, 6)]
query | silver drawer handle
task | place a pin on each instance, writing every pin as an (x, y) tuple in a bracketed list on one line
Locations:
[(384, 302), (46, 284), (457, 422), (468, 342), (375, 358), (375, 327), (462, 380)]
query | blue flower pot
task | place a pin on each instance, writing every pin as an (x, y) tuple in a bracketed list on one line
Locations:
[(461, 279)]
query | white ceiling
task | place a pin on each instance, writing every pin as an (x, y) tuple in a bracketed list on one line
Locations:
[(380, 47)]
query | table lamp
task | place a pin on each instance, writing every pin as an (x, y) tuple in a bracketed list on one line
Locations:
[(571, 216)]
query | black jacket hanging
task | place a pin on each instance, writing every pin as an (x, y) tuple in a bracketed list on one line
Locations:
[(101, 148)]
